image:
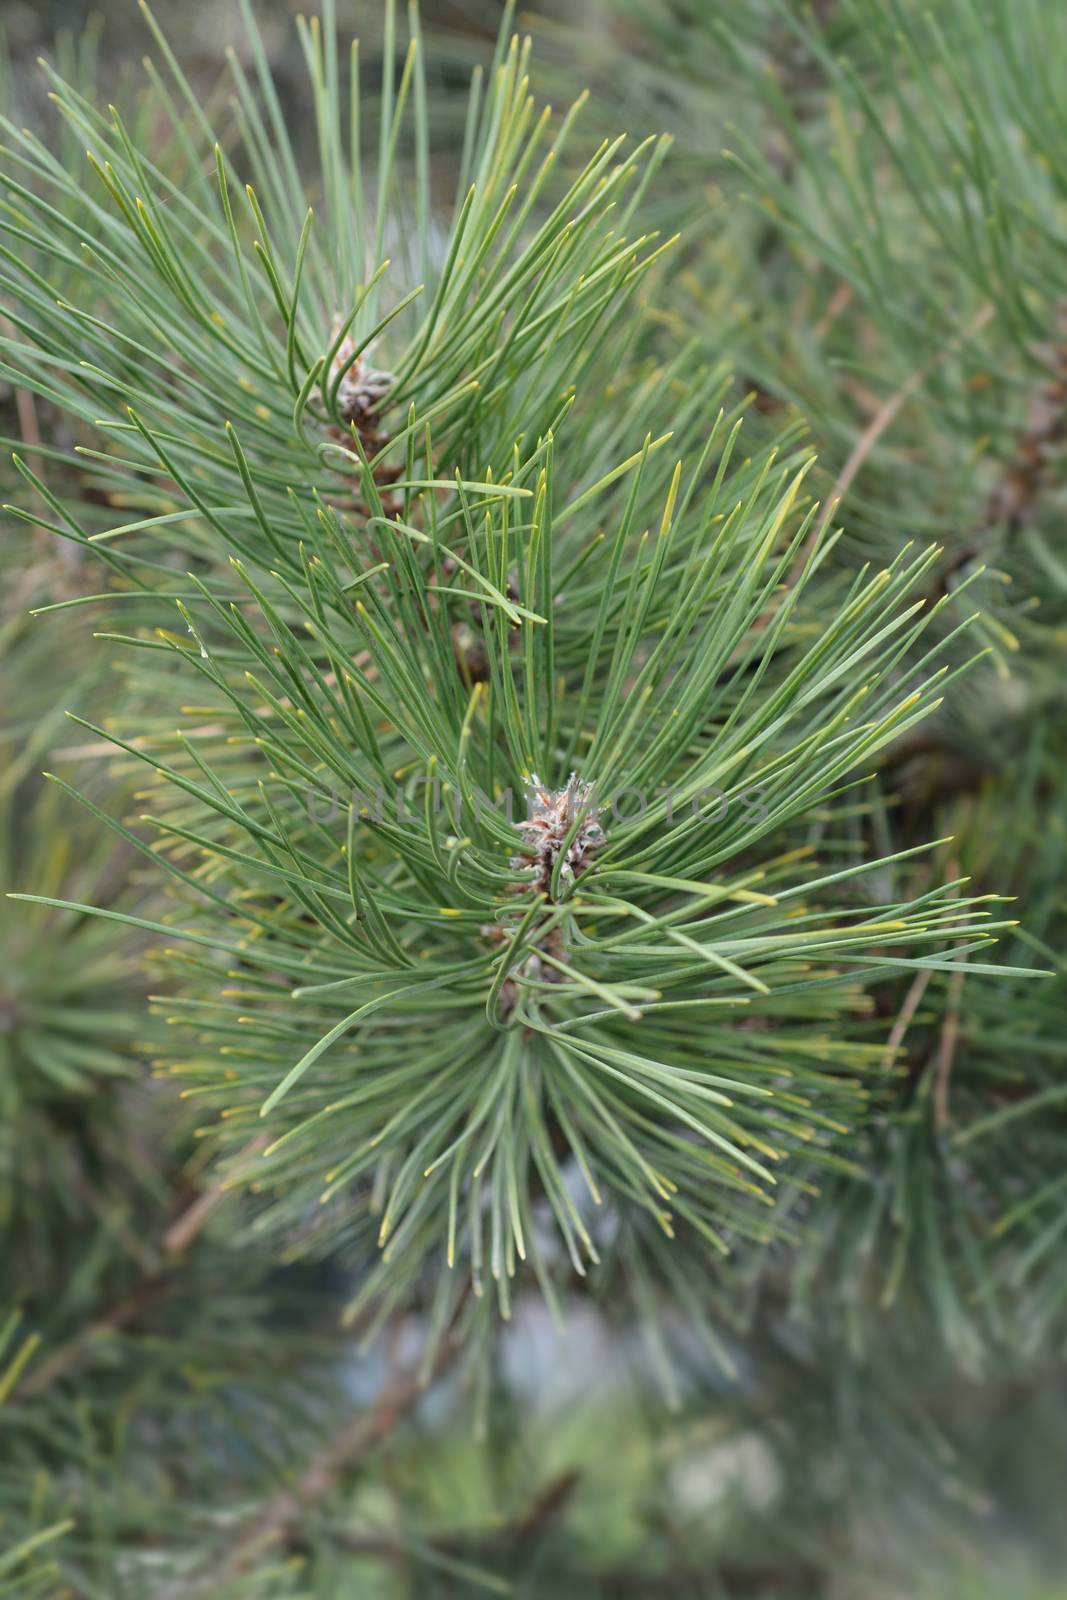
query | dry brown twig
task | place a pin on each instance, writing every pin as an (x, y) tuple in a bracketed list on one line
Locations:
[(866, 442), (946, 1054), (180, 1235), (286, 1511), (912, 1000), (878, 425), (155, 1286)]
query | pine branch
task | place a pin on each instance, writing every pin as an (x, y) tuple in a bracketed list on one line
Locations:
[(64, 1360), (285, 1516), (485, 1042)]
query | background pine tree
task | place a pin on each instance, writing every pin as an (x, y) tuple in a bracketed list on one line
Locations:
[(658, 1191)]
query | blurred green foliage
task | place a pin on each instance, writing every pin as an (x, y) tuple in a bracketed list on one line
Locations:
[(880, 261)]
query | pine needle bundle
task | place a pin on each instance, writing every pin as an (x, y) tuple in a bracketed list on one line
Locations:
[(491, 817)]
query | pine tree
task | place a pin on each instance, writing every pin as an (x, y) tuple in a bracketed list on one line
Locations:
[(901, 173), (505, 783)]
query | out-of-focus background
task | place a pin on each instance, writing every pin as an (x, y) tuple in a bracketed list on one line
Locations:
[(905, 1469), (201, 29)]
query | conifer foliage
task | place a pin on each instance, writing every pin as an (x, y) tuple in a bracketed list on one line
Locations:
[(431, 609), (503, 734)]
